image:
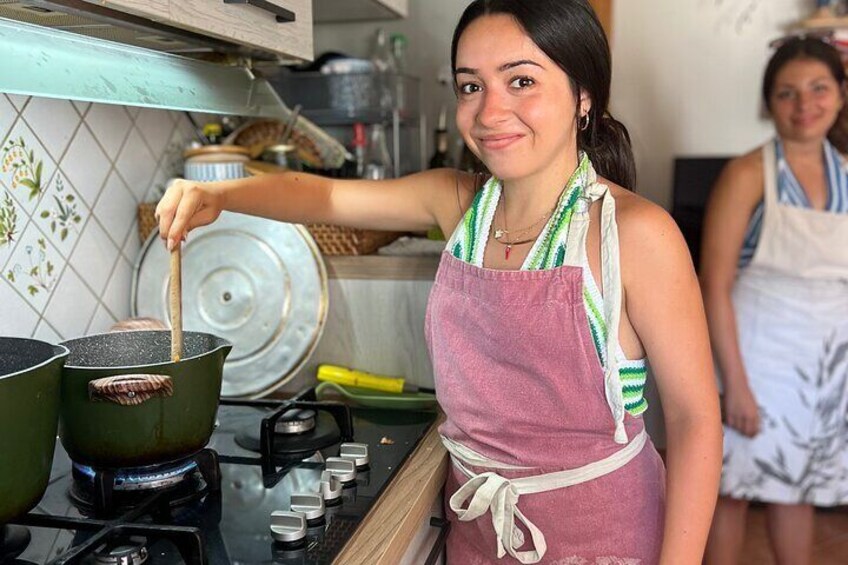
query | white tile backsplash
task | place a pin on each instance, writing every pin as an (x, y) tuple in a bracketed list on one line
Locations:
[(110, 124), (109, 157), (17, 317), (136, 165), (55, 121), (95, 255), (116, 208), (86, 165), (71, 307)]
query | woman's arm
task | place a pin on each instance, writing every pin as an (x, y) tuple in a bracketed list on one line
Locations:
[(415, 202), (731, 204), (663, 304)]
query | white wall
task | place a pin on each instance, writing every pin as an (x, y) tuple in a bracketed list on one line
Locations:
[(687, 75)]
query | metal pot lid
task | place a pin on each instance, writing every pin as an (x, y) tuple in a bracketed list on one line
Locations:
[(258, 283)]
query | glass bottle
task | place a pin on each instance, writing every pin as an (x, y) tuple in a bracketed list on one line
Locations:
[(359, 148), (441, 157), (378, 163)]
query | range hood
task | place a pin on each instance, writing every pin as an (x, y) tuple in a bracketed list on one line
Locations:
[(128, 64)]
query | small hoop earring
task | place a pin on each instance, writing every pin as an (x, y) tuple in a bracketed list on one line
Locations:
[(583, 122)]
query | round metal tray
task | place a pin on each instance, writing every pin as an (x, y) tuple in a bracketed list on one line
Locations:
[(259, 283)]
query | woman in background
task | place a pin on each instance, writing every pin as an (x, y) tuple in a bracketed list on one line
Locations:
[(774, 275)]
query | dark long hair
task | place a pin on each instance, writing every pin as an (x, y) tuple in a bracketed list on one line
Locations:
[(809, 48), (568, 31)]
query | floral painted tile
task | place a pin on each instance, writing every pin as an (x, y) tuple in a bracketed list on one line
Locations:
[(54, 121), (34, 267), (11, 224), (17, 318), (26, 166), (61, 214)]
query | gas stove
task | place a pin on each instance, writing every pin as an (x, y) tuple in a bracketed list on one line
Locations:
[(279, 482)]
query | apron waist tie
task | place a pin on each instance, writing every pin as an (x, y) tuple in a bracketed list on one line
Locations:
[(490, 491)]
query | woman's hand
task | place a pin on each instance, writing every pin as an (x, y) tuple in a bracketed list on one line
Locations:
[(185, 206), (740, 410)]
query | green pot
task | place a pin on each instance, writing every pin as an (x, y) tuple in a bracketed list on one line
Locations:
[(126, 404), (30, 372)]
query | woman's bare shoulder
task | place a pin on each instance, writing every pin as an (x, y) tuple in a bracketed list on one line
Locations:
[(648, 234)]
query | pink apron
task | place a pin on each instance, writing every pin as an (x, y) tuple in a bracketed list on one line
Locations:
[(539, 473)]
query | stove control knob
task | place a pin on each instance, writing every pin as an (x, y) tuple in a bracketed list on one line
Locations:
[(343, 469), (356, 452), (331, 487), (308, 503), (288, 527)]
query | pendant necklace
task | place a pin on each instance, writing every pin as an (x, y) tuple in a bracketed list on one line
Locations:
[(500, 233)]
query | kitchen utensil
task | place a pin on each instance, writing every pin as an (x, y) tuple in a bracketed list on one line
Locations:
[(290, 123), (259, 283), (376, 399), (30, 372), (126, 404), (283, 155), (361, 379), (176, 305)]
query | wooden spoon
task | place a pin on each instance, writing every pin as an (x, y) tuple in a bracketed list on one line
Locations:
[(175, 296)]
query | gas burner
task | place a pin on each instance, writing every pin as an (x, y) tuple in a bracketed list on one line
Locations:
[(323, 433), (130, 551), (296, 421), (143, 478), (105, 492)]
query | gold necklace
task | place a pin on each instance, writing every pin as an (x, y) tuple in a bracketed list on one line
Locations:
[(500, 233)]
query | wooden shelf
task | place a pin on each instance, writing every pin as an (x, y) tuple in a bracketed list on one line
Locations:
[(825, 23)]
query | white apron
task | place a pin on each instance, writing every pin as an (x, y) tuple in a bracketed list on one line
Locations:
[(791, 307)]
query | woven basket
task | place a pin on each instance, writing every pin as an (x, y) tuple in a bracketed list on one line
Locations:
[(331, 240), (337, 240), (146, 221)]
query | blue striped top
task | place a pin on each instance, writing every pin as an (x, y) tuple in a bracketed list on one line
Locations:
[(790, 192)]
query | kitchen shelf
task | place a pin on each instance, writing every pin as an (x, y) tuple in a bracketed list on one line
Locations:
[(340, 11), (825, 23)]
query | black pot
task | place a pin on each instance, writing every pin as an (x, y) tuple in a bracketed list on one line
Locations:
[(126, 404), (30, 373)]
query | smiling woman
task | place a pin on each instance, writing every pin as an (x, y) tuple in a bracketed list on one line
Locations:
[(556, 286)]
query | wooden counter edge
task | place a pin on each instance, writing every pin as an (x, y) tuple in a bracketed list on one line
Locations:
[(384, 535)]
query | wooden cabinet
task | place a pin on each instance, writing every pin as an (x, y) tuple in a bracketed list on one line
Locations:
[(327, 11), (253, 23), (604, 10)]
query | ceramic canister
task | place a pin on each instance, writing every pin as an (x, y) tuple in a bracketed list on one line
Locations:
[(215, 162)]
